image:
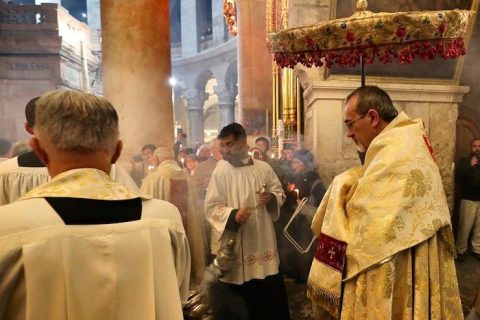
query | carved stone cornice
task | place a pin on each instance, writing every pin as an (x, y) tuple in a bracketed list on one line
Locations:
[(225, 96), (195, 99)]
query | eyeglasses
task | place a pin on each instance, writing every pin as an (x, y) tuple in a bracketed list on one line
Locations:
[(349, 123)]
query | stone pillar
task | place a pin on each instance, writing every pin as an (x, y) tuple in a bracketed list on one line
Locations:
[(195, 100), (254, 59), (136, 69), (188, 16), (226, 105), (93, 14)]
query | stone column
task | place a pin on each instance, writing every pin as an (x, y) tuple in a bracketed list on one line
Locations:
[(188, 16), (254, 59), (195, 100), (136, 69), (226, 105), (93, 14)]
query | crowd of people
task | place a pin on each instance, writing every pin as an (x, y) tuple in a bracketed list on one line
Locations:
[(83, 238)]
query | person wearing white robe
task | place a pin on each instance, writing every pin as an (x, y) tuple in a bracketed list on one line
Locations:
[(244, 196), (83, 246)]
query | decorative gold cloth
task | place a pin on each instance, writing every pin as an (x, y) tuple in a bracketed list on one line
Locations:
[(385, 36), (84, 183), (170, 183), (393, 215)]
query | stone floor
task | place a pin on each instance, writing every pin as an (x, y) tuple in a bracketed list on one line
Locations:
[(468, 272)]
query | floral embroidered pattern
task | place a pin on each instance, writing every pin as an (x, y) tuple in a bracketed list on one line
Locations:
[(261, 258), (403, 35), (417, 184)]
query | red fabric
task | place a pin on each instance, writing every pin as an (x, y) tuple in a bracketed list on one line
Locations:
[(178, 196), (405, 52), (331, 252), (426, 139)]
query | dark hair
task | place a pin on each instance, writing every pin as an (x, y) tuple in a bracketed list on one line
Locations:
[(187, 150), (5, 146), (473, 140), (234, 129), (305, 156), (372, 97), (30, 111), (149, 146), (265, 140)]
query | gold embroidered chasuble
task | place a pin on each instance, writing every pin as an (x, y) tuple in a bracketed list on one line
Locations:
[(16, 181), (170, 183), (385, 247), (106, 271)]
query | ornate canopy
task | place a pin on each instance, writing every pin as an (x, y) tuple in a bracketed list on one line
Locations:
[(369, 36)]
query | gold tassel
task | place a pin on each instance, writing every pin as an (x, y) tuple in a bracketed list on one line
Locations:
[(324, 299)]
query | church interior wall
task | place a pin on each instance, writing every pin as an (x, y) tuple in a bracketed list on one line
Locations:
[(436, 105), (470, 107)]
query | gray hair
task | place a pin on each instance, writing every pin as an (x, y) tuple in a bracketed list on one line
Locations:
[(163, 153), (76, 121), (372, 97)]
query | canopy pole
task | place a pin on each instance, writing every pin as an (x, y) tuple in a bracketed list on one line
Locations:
[(362, 63)]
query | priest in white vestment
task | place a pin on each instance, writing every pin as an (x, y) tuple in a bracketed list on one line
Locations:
[(83, 246), (244, 196), (171, 183), (385, 246)]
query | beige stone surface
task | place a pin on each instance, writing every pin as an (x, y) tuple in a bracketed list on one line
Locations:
[(443, 117), (254, 60), (136, 69)]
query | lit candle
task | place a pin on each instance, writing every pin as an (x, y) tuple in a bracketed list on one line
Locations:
[(183, 162), (272, 156), (297, 192)]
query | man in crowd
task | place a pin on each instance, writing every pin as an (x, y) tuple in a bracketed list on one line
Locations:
[(171, 183), (306, 183), (5, 146), (201, 179), (385, 246), (203, 153), (21, 174), (263, 144), (181, 141), (205, 169), (468, 184), (150, 163), (82, 245), (244, 196)]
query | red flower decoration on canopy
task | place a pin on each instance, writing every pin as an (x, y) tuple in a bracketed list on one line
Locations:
[(401, 31)]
